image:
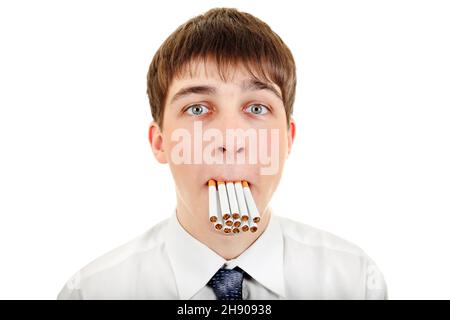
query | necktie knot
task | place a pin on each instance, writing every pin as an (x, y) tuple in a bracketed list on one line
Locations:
[(227, 283)]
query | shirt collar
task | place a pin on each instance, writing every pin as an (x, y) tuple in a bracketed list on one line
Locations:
[(194, 264)]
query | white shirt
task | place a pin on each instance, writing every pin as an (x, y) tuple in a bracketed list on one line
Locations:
[(289, 260)]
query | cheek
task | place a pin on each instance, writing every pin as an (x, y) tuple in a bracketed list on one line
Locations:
[(276, 143), (283, 146), (174, 149), (177, 143)]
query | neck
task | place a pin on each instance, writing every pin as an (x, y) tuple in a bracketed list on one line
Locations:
[(227, 246)]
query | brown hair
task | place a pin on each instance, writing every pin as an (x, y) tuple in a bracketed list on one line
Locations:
[(230, 37)]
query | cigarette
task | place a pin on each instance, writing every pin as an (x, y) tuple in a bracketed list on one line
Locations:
[(218, 225), (229, 222), (244, 226), (252, 209), (241, 200), (232, 200), (213, 212), (227, 230), (214, 207), (223, 198), (252, 225)]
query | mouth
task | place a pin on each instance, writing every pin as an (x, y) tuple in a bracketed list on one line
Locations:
[(227, 179), (231, 206)]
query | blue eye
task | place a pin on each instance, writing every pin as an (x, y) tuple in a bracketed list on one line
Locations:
[(197, 110), (257, 109)]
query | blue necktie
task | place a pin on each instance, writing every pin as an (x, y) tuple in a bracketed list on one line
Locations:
[(227, 283)]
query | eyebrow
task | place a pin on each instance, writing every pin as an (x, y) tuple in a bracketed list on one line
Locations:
[(256, 85), (193, 90), (248, 85)]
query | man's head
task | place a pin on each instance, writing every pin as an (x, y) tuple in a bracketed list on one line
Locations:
[(219, 71)]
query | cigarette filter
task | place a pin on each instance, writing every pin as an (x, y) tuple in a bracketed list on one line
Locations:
[(241, 200), (252, 225), (223, 198), (244, 226), (232, 200), (253, 210), (213, 212)]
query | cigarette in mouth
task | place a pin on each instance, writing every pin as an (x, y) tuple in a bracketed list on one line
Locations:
[(232, 208), (244, 226), (252, 226), (232, 199), (229, 222), (252, 209), (214, 207), (241, 201), (223, 198), (213, 213)]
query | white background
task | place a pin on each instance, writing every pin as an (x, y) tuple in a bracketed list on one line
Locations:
[(370, 162)]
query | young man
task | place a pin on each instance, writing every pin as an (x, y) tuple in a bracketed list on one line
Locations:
[(222, 71)]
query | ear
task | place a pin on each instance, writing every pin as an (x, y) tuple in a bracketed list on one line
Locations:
[(155, 138), (291, 134)]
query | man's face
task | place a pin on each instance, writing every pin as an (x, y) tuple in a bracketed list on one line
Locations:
[(200, 114)]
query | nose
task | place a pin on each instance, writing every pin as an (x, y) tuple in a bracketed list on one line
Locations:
[(238, 149), (231, 125)]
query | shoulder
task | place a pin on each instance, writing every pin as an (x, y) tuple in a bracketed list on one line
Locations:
[(113, 265), (319, 254), (313, 237)]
